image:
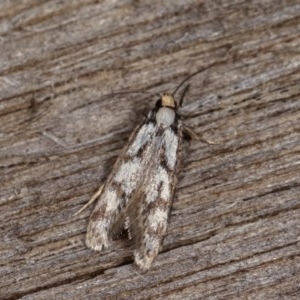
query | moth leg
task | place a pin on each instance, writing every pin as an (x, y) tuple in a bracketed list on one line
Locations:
[(155, 227), (94, 197), (194, 136)]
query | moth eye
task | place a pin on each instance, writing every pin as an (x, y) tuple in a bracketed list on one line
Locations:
[(158, 103)]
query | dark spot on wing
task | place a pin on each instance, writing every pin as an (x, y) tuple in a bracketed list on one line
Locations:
[(163, 162), (98, 214), (157, 203), (139, 154), (174, 126), (117, 186), (160, 131), (151, 117)]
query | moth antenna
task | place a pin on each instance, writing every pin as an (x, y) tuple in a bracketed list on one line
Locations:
[(135, 92), (183, 94), (192, 75)]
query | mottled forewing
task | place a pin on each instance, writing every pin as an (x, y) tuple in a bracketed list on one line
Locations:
[(121, 184), (155, 196)]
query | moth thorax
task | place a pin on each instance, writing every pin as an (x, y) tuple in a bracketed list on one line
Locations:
[(165, 116)]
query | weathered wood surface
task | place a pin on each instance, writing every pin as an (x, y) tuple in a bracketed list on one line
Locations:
[(235, 224)]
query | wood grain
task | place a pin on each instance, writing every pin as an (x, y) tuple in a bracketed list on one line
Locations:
[(235, 224)]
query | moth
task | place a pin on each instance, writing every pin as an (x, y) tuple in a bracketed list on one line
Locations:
[(138, 193)]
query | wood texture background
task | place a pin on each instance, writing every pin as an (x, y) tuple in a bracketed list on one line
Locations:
[(235, 224)]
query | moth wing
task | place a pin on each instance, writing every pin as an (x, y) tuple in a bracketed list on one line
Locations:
[(155, 198), (120, 186)]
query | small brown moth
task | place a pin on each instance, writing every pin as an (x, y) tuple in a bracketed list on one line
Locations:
[(139, 191)]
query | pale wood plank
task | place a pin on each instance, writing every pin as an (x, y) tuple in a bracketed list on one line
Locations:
[(234, 229)]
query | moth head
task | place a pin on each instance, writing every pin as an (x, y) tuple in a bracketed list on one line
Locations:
[(166, 110), (166, 100)]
